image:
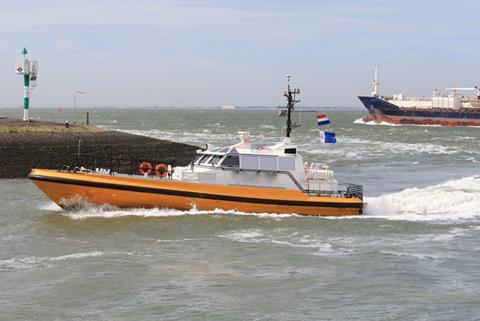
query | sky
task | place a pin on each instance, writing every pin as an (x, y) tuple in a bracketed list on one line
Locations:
[(228, 52)]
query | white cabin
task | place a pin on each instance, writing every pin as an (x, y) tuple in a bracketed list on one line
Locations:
[(277, 166)]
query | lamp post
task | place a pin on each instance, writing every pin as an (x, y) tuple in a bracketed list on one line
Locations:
[(75, 92)]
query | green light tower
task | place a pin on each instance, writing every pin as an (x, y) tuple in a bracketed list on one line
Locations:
[(29, 70)]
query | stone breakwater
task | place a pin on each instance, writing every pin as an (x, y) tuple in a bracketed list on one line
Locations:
[(22, 150)]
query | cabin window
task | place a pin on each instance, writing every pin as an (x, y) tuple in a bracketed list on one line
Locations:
[(286, 164), (290, 150), (268, 163), (205, 159), (231, 161), (197, 158), (249, 162), (216, 159)]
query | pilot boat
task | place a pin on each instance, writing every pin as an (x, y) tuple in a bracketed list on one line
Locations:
[(271, 179)]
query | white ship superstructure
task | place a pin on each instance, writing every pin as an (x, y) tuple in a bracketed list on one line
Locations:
[(277, 166), (453, 98)]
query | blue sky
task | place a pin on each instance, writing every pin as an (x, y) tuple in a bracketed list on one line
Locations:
[(213, 53)]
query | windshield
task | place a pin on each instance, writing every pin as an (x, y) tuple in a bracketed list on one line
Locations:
[(197, 158), (216, 159)]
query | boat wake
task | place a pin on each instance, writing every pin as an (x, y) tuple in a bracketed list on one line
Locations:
[(384, 123), (85, 210), (452, 200), (50, 206), (374, 123)]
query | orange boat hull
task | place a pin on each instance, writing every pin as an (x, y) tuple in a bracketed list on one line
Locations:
[(123, 191)]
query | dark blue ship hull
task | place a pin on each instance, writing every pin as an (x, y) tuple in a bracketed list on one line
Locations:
[(383, 111)]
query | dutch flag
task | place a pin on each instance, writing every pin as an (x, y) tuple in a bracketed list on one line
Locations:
[(328, 137), (322, 119)]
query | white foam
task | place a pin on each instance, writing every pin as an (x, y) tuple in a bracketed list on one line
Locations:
[(280, 239), (245, 236), (374, 123), (34, 261), (76, 256), (198, 137), (418, 256), (111, 212), (106, 211), (50, 206), (357, 148), (453, 200), (18, 263), (384, 123), (433, 149)]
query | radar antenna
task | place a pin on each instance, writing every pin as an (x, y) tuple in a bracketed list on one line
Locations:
[(291, 94)]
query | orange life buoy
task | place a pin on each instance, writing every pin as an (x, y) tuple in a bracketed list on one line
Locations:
[(145, 168), (161, 170)]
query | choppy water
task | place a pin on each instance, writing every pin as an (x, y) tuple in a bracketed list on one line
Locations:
[(414, 255)]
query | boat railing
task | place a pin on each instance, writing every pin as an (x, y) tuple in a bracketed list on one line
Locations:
[(130, 166), (110, 165), (344, 189), (353, 190), (348, 190)]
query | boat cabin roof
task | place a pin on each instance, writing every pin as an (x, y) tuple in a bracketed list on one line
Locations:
[(265, 159)]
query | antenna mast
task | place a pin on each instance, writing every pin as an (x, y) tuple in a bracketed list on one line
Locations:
[(375, 82), (290, 93)]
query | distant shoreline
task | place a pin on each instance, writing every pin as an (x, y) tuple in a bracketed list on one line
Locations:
[(201, 108)]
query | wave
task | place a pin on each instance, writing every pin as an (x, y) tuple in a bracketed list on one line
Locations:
[(20, 263), (452, 200), (199, 137), (281, 237), (360, 149)]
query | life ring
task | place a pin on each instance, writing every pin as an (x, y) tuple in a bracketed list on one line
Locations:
[(19, 69), (145, 168), (161, 170)]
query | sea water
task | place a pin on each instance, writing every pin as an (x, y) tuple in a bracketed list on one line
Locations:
[(413, 255)]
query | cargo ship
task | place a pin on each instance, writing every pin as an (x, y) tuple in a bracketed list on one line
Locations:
[(451, 108)]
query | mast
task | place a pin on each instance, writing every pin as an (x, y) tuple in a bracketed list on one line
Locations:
[(375, 82), (290, 93)]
